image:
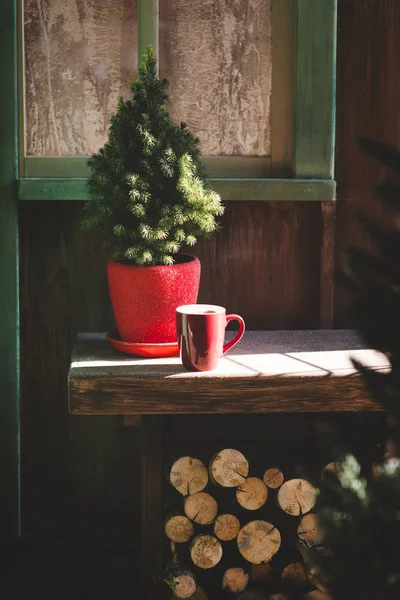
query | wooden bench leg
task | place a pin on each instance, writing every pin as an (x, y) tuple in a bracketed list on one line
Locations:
[(152, 478)]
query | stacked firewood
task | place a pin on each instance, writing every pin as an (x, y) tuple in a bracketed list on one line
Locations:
[(239, 536)]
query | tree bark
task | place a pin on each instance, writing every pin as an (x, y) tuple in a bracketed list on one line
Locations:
[(188, 475), (296, 497), (179, 529), (226, 527), (201, 508), (235, 580), (206, 551), (252, 494), (258, 541), (229, 468), (273, 478)]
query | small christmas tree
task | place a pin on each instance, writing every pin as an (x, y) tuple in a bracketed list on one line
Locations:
[(360, 511), (148, 194)]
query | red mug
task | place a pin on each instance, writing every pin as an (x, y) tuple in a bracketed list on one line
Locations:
[(201, 334)]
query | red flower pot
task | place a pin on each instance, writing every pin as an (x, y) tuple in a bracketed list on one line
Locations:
[(144, 299)]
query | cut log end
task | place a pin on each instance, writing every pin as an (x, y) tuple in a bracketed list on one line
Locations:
[(332, 469), (188, 475), (316, 578), (206, 551), (258, 541), (309, 531), (235, 580), (201, 508), (295, 574), (296, 497), (252, 494), (226, 527), (229, 468), (179, 529), (261, 573), (199, 594), (273, 478), (183, 585)]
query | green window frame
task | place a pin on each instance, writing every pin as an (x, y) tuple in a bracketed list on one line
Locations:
[(9, 286), (302, 120)]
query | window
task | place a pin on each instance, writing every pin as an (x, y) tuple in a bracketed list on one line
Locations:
[(254, 79)]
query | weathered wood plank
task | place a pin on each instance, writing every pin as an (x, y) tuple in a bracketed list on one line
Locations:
[(368, 91), (152, 483), (9, 292), (327, 269), (303, 371)]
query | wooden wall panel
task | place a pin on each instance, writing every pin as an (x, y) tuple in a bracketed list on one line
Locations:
[(265, 264), (368, 92), (73, 470)]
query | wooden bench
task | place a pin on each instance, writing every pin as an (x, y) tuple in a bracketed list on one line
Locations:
[(268, 372)]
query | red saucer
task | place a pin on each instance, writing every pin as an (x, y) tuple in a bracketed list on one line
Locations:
[(147, 350)]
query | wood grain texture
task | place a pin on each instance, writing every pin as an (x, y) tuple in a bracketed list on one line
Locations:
[(9, 290), (264, 264), (327, 268), (259, 395), (266, 372), (368, 90), (221, 85), (79, 58), (152, 524), (73, 469)]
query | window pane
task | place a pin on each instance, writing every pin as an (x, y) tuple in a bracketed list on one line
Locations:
[(217, 56), (79, 58)]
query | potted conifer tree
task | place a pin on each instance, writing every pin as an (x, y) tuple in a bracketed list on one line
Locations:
[(148, 197)]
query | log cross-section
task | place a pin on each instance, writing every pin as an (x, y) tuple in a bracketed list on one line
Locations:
[(281, 371)]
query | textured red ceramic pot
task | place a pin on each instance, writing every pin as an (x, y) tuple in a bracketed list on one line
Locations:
[(144, 299)]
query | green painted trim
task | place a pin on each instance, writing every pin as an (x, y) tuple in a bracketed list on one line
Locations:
[(21, 85), (9, 292), (52, 189), (56, 166), (147, 24), (217, 166), (230, 189), (315, 72)]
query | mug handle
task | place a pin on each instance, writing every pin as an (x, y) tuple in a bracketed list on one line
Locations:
[(239, 334)]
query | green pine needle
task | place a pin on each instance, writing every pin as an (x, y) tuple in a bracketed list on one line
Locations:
[(148, 191)]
